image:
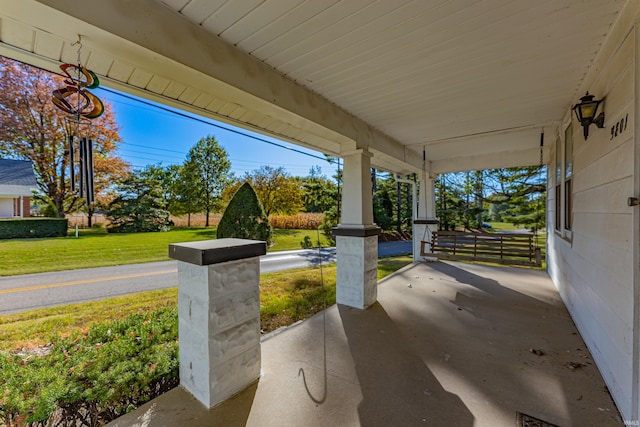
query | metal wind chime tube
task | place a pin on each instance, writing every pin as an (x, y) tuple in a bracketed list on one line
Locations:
[(81, 161), (72, 165), (88, 170), (86, 174)]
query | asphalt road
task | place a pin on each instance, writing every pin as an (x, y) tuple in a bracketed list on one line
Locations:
[(20, 293)]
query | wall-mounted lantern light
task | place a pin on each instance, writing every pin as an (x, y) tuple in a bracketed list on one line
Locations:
[(586, 113)]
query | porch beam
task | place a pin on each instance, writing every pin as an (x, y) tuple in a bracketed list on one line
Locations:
[(234, 74), (508, 159)]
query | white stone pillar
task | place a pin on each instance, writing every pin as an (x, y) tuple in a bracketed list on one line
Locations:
[(426, 221), (357, 235), (218, 316)]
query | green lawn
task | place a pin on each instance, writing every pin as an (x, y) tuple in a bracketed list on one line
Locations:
[(99, 249), (285, 297), (502, 226)]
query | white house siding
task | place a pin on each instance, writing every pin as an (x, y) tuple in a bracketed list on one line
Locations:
[(593, 268), (6, 207)]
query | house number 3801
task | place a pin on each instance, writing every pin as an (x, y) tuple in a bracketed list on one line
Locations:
[(619, 127)]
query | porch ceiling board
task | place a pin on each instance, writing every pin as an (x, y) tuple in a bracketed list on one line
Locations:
[(458, 78), (429, 71)]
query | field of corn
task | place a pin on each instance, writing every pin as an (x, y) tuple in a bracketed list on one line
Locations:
[(301, 221)]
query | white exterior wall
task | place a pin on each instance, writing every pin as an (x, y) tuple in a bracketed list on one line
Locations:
[(6, 207), (593, 266)]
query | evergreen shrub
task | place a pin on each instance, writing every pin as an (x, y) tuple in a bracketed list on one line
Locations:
[(245, 218), (93, 379)]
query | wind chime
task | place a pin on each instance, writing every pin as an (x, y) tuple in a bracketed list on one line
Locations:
[(82, 107)]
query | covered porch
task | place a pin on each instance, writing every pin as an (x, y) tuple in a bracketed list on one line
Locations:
[(445, 344), (418, 88)]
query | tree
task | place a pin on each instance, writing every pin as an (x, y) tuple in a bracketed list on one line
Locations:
[(277, 190), (245, 217), (140, 205), (183, 200), (515, 194), (392, 204), (204, 175), (528, 211), (509, 183), (524, 190), (383, 206), (319, 192), (333, 215), (451, 201), (177, 193), (33, 129)]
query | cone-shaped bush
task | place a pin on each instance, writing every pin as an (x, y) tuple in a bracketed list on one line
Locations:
[(244, 217)]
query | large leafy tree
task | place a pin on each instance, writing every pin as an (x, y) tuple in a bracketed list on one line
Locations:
[(32, 128), (279, 192), (204, 175)]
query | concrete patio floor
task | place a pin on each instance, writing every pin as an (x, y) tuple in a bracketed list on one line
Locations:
[(447, 344)]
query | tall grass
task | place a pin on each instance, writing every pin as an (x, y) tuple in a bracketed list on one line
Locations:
[(301, 221)]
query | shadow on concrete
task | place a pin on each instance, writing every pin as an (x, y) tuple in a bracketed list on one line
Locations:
[(500, 336), (179, 408), (397, 387), (316, 257)]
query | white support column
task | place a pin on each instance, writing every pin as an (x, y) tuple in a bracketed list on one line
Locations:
[(218, 316), (357, 235), (426, 220)]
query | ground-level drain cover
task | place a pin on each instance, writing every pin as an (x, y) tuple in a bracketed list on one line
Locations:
[(524, 420)]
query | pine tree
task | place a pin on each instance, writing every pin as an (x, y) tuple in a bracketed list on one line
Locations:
[(139, 206), (245, 217)]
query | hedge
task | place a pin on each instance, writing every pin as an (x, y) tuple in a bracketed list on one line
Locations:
[(19, 228)]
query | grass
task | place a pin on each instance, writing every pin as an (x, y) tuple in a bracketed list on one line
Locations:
[(285, 297), (33, 328), (502, 226), (96, 248)]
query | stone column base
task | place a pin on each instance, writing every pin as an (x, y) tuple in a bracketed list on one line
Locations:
[(218, 316), (357, 259)]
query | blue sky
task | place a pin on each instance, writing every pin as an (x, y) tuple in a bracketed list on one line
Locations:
[(156, 135)]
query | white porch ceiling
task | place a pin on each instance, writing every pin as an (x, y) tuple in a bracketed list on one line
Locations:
[(472, 83)]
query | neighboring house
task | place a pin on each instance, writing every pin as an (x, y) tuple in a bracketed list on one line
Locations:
[(17, 181)]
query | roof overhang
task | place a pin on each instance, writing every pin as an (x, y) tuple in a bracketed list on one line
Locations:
[(466, 85), (15, 191)]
